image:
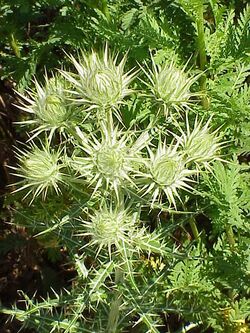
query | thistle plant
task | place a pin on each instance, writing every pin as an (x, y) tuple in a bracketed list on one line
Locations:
[(50, 106), (110, 160), (200, 144), (170, 86), (167, 173), (111, 227), (101, 82), (113, 178), (40, 170)]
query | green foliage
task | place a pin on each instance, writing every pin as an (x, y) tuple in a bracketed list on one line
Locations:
[(190, 285), (137, 161), (34, 33), (230, 97), (230, 39), (228, 193)]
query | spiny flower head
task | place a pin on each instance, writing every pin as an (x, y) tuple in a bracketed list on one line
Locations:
[(100, 81), (49, 105), (110, 160), (166, 174), (110, 226), (170, 86), (200, 144), (40, 169)]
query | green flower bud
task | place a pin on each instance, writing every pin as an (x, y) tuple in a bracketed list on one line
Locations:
[(170, 86), (40, 169), (111, 160), (166, 174), (110, 226), (50, 106), (200, 145), (100, 81)]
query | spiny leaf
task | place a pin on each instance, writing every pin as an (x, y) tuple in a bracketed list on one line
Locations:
[(100, 277)]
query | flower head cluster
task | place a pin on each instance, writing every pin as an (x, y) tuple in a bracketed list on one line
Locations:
[(110, 159), (100, 81), (49, 104), (170, 86), (40, 169)]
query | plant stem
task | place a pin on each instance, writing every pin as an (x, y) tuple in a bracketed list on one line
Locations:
[(202, 51), (105, 10), (194, 228), (72, 131), (201, 38), (14, 46), (115, 305), (230, 237), (105, 120)]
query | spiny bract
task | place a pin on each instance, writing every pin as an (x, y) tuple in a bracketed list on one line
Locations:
[(100, 82), (50, 105), (166, 173), (111, 160), (170, 86), (110, 226), (40, 169)]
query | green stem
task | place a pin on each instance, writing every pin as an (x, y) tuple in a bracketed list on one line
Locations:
[(115, 305), (105, 10), (201, 39), (109, 120), (202, 52), (194, 228), (105, 119), (14, 46), (230, 237)]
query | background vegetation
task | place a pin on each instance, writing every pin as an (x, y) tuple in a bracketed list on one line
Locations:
[(201, 279)]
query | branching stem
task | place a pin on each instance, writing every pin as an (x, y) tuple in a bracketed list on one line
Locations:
[(115, 305)]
